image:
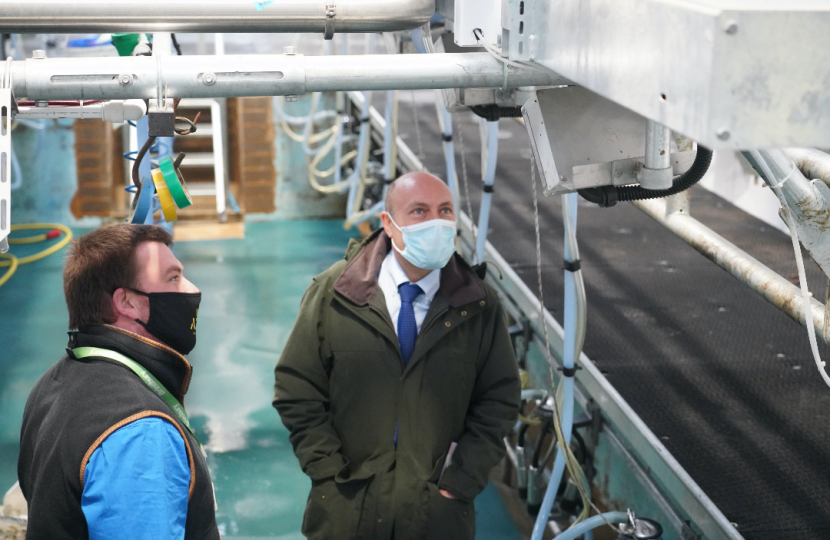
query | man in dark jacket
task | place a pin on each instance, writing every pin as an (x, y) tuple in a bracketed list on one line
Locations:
[(106, 449), (398, 381)]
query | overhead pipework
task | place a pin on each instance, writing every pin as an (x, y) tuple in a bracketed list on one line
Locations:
[(320, 16), (139, 77)]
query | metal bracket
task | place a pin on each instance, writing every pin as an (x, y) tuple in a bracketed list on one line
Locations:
[(521, 334), (331, 12), (517, 21)]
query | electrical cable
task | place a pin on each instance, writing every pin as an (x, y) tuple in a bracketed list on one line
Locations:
[(191, 124), (140, 156), (607, 196), (176, 44), (495, 52)]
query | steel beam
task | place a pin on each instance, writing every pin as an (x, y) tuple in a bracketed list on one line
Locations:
[(320, 16), (261, 75)]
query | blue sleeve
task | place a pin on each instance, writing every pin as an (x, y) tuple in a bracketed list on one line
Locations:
[(136, 484)]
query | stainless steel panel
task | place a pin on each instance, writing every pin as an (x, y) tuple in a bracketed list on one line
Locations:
[(579, 128), (726, 73)]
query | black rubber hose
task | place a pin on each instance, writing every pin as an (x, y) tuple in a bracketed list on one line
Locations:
[(546, 428), (492, 112), (138, 157), (607, 196)]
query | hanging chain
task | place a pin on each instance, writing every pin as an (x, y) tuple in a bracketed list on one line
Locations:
[(418, 139)]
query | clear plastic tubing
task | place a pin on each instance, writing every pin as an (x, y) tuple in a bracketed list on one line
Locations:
[(362, 142), (449, 150), (487, 196), (568, 354), (592, 523), (388, 140)]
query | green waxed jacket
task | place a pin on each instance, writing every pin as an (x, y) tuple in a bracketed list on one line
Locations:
[(341, 387)]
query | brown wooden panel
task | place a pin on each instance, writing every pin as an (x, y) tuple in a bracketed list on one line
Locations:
[(251, 152), (95, 144)]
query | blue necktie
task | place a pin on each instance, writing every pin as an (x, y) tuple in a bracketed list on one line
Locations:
[(407, 327)]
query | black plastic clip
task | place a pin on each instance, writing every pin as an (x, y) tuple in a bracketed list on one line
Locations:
[(488, 189), (569, 372), (572, 266), (447, 138)]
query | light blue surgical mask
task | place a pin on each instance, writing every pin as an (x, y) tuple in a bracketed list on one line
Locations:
[(428, 245)]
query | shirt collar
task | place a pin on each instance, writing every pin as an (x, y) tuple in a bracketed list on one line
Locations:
[(429, 283)]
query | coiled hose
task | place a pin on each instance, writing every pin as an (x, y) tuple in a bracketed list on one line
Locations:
[(607, 196), (13, 262)]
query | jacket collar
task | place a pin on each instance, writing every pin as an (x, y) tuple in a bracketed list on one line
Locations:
[(168, 366), (359, 281)]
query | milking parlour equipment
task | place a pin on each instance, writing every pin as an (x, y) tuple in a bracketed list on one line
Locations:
[(618, 105)]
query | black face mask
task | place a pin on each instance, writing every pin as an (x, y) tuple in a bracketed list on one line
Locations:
[(173, 318)]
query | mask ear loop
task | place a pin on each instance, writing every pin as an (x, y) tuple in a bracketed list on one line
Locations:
[(392, 239)]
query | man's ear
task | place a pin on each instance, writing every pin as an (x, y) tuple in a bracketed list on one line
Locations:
[(387, 223), (126, 303)]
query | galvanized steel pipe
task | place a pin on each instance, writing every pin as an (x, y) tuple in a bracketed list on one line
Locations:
[(320, 16), (657, 173), (773, 287), (261, 75), (811, 162)]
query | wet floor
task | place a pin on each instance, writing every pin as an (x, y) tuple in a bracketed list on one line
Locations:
[(251, 294)]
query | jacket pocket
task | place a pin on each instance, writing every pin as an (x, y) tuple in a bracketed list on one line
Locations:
[(333, 509), (449, 519)]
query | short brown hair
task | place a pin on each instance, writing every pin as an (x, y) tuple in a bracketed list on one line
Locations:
[(100, 262)]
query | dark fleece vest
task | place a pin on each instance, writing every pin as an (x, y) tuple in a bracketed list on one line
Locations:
[(72, 409)]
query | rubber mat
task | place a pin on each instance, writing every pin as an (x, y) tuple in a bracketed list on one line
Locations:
[(725, 380)]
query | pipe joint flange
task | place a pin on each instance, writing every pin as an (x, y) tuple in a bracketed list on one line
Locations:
[(655, 179)]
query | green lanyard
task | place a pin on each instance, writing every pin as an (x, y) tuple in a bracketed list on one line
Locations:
[(146, 376)]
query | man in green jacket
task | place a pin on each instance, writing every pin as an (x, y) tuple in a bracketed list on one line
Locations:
[(398, 382)]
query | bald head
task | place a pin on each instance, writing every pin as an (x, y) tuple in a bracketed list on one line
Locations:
[(414, 198), (412, 186)]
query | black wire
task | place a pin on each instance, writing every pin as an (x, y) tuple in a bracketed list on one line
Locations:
[(607, 196), (176, 44), (188, 130), (140, 156)]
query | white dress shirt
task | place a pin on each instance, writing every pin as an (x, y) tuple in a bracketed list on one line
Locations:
[(392, 276)]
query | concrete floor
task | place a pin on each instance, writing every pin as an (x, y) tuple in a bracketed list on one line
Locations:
[(251, 293)]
